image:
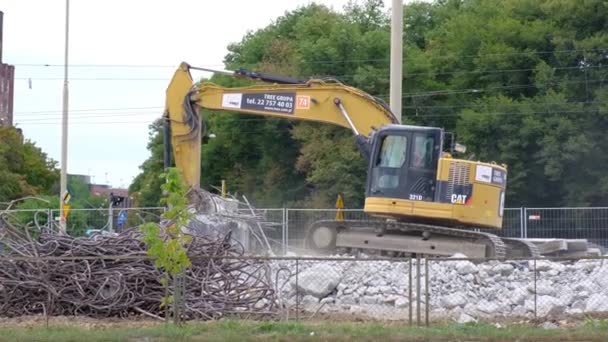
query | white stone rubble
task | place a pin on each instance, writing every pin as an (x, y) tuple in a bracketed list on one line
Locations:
[(461, 290)]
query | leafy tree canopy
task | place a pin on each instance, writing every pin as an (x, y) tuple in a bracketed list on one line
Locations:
[(24, 169), (520, 82)]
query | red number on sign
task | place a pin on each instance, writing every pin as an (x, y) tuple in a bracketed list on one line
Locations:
[(303, 102)]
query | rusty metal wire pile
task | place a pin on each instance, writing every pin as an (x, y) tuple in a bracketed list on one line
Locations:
[(111, 276)]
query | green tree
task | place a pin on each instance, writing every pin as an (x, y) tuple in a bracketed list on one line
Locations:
[(25, 170), (521, 82), (146, 187)]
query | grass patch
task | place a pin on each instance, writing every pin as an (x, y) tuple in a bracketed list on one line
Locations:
[(241, 330)]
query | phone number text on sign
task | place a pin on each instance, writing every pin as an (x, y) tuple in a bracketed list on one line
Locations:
[(277, 102)]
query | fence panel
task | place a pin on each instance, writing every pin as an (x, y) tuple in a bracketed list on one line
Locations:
[(287, 227), (568, 223), (512, 226), (414, 290), (80, 221), (22, 217), (272, 224)]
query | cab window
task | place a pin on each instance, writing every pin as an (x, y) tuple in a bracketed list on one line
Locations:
[(422, 157), (393, 151)]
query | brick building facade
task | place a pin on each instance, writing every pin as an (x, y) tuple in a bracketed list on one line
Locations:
[(7, 84)]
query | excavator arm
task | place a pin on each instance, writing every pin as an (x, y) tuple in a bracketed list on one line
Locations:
[(313, 100), (431, 199)]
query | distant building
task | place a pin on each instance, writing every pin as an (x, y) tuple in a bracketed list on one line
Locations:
[(120, 195), (99, 189), (7, 83)]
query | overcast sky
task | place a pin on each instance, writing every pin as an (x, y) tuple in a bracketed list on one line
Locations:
[(111, 106)]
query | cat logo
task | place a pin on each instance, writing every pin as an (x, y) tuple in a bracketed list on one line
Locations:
[(459, 199)]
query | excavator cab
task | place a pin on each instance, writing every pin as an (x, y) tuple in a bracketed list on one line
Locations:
[(410, 178), (404, 161)]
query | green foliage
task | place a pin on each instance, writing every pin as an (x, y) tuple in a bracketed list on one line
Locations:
[(168, 246), (259, 330), (521, 82), (146, 187), (280, 162), (78, 220), (24, 169)]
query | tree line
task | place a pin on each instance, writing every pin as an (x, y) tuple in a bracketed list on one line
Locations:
[(520, 82), (29, 179)]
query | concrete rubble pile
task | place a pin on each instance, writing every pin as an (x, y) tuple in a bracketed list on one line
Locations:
[(459, 289), (215, 216)]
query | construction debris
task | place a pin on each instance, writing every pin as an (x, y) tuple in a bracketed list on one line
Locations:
[(458, 289), (109, 276)]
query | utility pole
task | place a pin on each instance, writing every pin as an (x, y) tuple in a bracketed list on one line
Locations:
[(396, 77), (64, 125)]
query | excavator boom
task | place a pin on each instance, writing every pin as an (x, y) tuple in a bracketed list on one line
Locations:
[(312, 100)]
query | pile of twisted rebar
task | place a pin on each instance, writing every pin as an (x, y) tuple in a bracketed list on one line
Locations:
[(112, 276)]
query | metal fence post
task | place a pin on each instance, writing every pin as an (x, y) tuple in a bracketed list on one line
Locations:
[(426, 291), (283, 231), (535, 294), (410, 301), (521, 222), (418, 289), (110, 219), (297, 291), (49, 219), (525, 223), (286, 229)]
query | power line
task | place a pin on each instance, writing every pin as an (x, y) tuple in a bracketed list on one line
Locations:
[(512, 113), (93, 79), (533, 52), (258, 118), (91, 110), (88, 116), (47, 65), (345, 76), (86, 123), (503, 104), (487, 71), (85, 111), (474, 90), (418, 94)]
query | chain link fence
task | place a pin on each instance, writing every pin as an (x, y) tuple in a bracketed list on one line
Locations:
[(536, 289), (272, 223), (81, 221), (568, 223), (25, 217), (417, 291), (286, 228)]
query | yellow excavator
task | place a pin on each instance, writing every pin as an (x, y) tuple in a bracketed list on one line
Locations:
[(427, 201)]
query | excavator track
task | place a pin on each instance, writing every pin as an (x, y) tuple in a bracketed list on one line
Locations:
[(521, 248), (407, 237)]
